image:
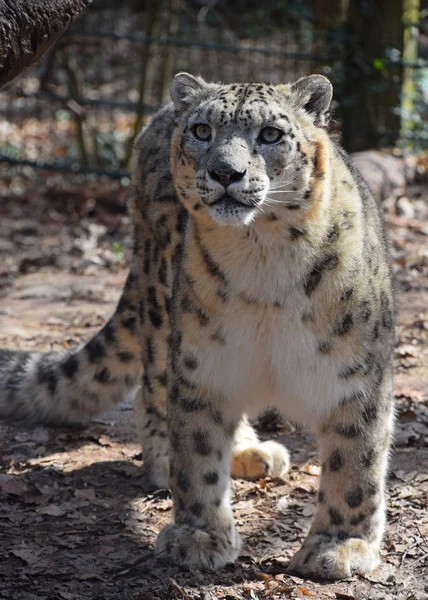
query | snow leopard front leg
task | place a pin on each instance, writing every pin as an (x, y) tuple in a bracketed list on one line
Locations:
[(347, 530), (154, 272), (201, 432)]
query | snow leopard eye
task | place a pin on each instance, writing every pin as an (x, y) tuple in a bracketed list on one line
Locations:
[(202, 132), (270, 135)]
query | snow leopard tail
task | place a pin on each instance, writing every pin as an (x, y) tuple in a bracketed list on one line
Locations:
[(71, 387)]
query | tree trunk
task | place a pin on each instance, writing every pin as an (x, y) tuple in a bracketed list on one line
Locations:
[(372, 86), (28, 28), (411, 16)]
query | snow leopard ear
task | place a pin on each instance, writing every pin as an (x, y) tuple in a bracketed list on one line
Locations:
[(184, 88), (314, 94)]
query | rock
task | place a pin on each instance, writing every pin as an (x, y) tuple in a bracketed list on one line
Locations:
[(385, 174)]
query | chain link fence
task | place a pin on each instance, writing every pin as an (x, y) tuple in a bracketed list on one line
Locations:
[(80, 109)]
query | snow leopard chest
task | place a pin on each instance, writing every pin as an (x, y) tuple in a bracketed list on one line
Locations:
[(272, 355)]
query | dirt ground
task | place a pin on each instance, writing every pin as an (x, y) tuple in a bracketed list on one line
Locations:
[(76, 520)]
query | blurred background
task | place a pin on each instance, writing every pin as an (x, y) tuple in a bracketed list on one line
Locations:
[(79, 110)]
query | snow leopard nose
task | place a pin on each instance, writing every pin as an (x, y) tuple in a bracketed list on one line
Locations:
[(226, 175)]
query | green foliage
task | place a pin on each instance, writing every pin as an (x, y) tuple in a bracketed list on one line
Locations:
[(378, 64), (118, 252)]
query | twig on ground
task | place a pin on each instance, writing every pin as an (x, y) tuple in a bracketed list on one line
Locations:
[(179, 589)]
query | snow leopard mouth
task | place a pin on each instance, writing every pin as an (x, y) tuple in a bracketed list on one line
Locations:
[(227, 203)]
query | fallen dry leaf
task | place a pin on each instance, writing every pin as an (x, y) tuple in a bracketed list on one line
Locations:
[(52, 510), (86, 493), (13, 485), (314, 470), (304, 590)]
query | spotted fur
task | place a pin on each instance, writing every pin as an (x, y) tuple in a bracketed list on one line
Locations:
[(260, 278)]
